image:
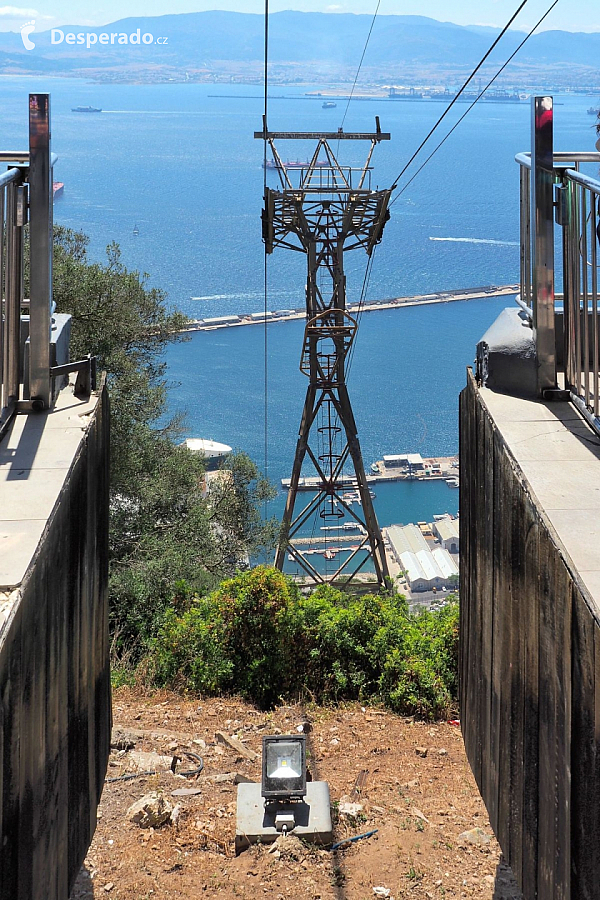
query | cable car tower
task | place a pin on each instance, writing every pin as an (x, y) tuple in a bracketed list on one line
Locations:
[(324, 209)]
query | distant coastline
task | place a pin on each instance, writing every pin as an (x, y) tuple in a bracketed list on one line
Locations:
[(287, 315)]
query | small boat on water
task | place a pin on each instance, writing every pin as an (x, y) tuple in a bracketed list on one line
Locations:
[(212, 451), (136, 230), (329, 104), (86, 109), (329, 554), (352, 526)]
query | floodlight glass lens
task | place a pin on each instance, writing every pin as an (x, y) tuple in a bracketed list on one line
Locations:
[(284, 760)]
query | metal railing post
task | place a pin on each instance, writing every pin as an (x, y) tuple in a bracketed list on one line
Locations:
[(542, 226), (525, 234), (40, 252), (13, 298)]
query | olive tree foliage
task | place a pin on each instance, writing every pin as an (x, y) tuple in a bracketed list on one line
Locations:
[(168, 533)]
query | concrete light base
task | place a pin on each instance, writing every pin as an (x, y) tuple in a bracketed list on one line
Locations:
[(255, 822)]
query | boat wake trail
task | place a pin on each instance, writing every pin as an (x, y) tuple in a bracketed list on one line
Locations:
[(464, 240), (249, 295)]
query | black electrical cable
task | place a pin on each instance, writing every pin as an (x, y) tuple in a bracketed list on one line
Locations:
[(476, 100), (461, 91)]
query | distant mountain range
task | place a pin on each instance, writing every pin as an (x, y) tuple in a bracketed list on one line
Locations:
[(199, 40)]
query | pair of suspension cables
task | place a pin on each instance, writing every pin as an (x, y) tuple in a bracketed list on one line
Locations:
[(395, 186)]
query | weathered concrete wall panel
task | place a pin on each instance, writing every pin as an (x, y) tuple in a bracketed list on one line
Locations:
[(55, 687), (530, 672)]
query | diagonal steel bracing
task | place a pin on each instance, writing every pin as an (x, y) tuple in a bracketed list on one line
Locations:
[(324, 210)]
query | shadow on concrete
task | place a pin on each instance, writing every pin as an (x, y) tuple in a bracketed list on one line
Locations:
[(23, 456), (505, 887), (83, 889)]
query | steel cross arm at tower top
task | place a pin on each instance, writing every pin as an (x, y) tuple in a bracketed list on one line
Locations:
[(322, 135), (339, 135)]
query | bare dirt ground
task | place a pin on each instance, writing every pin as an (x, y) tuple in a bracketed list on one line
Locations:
[(433, 837)]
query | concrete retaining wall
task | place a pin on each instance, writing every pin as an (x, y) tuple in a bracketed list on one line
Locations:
[(55, 686), (530, 672)]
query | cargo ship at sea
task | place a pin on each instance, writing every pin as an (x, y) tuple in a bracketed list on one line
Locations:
[(499, 96)]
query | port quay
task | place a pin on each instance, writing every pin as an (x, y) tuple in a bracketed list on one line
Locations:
[(407, 467), (286, 315)]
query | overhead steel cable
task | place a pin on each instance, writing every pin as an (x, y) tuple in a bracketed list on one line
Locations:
[(359, 311), (361, 62), (266, 272), (498, 73), (476, 100), (461, 91)]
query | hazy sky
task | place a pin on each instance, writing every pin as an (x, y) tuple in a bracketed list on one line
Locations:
[(570, 15)]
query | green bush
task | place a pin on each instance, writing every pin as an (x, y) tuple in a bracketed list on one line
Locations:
[(189, 651), (256, 636), (237, 639)]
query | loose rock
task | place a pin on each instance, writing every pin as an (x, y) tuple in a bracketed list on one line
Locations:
[(421, 751), (351, 810), (234, 744), (151, 811), (475, 836), (417, 812), (122, 739), (141, 761)]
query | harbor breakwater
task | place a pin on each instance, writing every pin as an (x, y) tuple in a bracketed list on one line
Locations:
[(286, 315)]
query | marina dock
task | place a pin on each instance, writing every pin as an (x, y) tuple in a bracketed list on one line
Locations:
[(287, 315)]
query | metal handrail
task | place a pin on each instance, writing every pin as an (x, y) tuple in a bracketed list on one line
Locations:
[(592, 184), (9, 177), (580, 220), (561, 156), (26, 195), (554, 190)]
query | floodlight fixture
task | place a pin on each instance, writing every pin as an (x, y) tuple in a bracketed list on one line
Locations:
[(284, 767), (283, 801)]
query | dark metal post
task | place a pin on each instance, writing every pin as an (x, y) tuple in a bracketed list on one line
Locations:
[(40, 252), (542, 227)]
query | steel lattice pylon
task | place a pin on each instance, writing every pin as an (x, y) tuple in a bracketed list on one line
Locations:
[(329, 210)]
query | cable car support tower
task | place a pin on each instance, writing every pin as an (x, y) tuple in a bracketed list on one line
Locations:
[(324, 209)]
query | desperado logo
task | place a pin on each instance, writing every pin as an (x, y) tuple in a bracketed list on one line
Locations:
[(26, 30), (89, 38)]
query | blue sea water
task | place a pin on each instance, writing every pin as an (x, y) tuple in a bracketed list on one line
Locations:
[(183, 167)]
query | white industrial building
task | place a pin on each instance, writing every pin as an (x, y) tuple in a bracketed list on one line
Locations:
[(406, 538), (409, 461), (446, 530), (425, 568)]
